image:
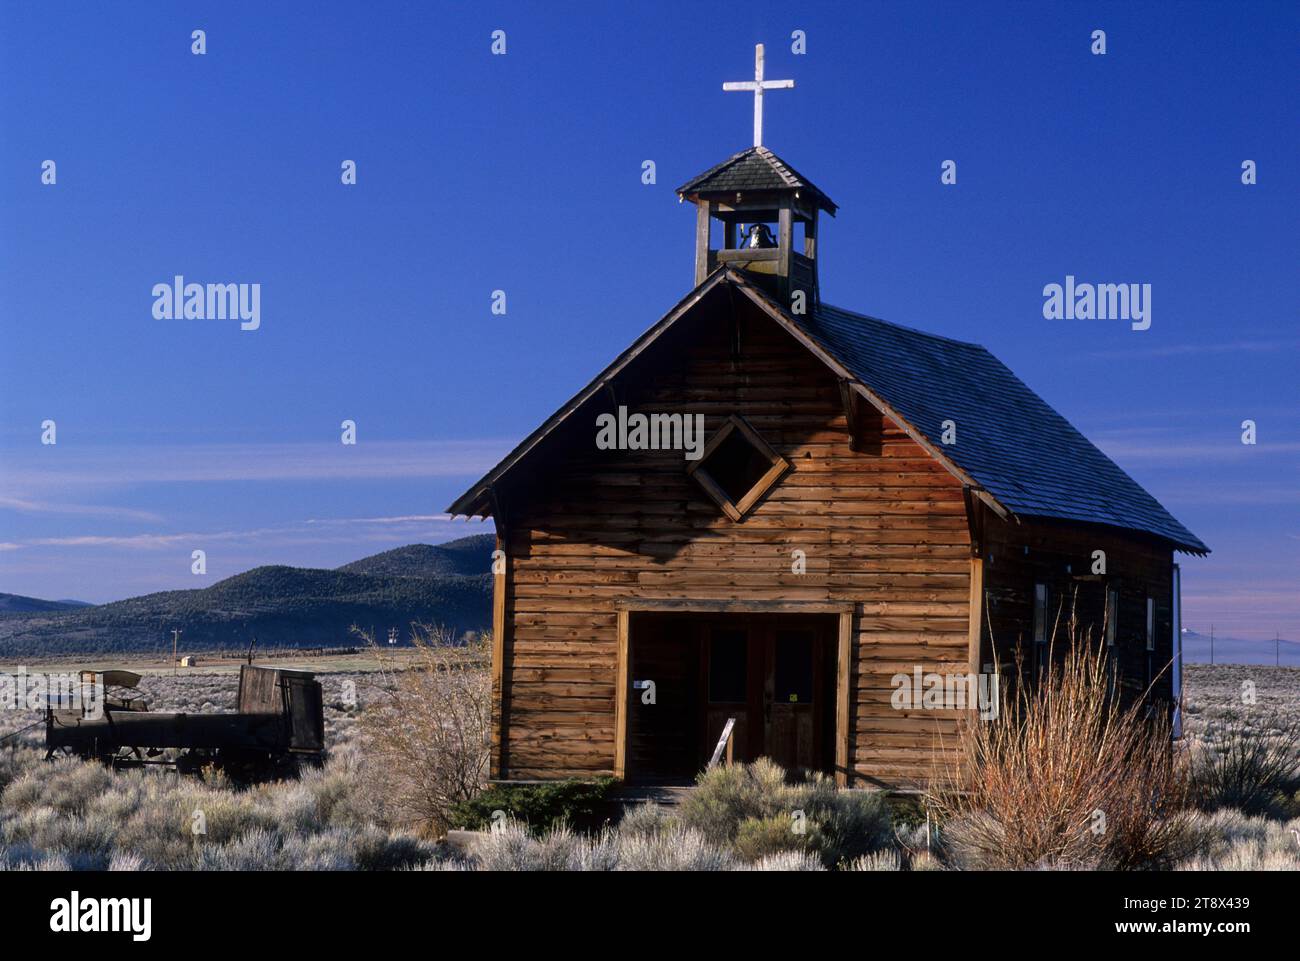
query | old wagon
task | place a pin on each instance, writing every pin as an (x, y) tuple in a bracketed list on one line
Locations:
[(278, 724)]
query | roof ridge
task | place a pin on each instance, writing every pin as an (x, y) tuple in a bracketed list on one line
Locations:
[(783, 169)]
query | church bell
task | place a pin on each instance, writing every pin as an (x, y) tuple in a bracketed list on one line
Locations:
[(760, 237)]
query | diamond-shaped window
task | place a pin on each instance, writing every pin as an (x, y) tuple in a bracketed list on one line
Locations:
[(737, 467)]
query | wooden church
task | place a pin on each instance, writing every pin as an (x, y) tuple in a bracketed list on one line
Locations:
[(869, 501)]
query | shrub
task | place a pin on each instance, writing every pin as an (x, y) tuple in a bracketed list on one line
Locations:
[(373, 849), (758, 838), (1235, 842), (1252, 768), (924, 861), (789, 861), (753, 808), (648, 818), (673, 849), (887, 860), (512, 847), (427, 739), (1033, 787), (540, 807)]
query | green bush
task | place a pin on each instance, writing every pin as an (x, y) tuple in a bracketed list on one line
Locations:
[(543, 807), (758, 838), (754, 810), (1251, 767)]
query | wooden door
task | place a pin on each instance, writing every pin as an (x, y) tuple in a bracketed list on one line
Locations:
[(663, 736), (768, 674), (792, 683), (733, 688)]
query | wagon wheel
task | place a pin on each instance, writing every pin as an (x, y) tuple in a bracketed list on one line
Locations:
[(194, 760), (252, 767)]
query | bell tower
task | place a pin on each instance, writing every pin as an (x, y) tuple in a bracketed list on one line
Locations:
[(767, 211)]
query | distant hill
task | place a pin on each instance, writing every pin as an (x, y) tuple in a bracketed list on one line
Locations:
[(465, 557), (1235, 650), (281, 606), (16, 602)]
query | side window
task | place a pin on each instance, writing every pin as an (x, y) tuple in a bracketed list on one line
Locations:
[(1151, 640), (1041, 629), (1112, 615), (1112, 626), (728, 667)]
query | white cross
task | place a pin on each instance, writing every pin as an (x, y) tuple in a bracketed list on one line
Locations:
[(758, 85)]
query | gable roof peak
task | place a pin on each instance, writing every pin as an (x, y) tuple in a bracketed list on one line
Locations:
[(753, 169), (1015, 452)]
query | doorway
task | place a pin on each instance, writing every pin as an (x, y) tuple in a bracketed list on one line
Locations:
[(771, 675)]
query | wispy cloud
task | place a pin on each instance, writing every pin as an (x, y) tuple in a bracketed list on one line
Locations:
[(1214, 491), (313, 531), (1144, 445), (1179, 350), (63, 468), (26, 506), (404, 519)]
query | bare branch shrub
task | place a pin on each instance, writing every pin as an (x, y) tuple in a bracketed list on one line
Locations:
[(427, 738), (1066, 777)]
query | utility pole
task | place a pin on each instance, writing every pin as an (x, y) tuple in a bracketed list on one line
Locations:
[(1277, 648), (1211, 643), (176, 639)]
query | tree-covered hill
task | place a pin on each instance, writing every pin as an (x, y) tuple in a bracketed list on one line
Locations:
[(21, 604), (447, 584)]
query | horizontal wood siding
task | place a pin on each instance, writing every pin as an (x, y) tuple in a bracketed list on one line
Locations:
[(1020, 555), (884, 531)]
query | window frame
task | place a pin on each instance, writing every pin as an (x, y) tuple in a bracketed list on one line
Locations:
[(1112, 615), (777, 466), (1112, 634), (1039, 629), (1151, 640)]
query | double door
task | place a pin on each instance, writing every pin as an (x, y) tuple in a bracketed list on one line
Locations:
[(768, 674)]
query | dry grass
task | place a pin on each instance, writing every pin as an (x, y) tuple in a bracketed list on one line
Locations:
[(1066, 778), (73, 815), (79, 815), (1231, 841)]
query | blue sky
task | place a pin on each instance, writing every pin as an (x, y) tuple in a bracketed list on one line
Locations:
[(522, 172)]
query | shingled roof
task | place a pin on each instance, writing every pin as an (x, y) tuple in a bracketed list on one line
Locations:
[(1011, 445), (1029, 457), (755, 169)]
